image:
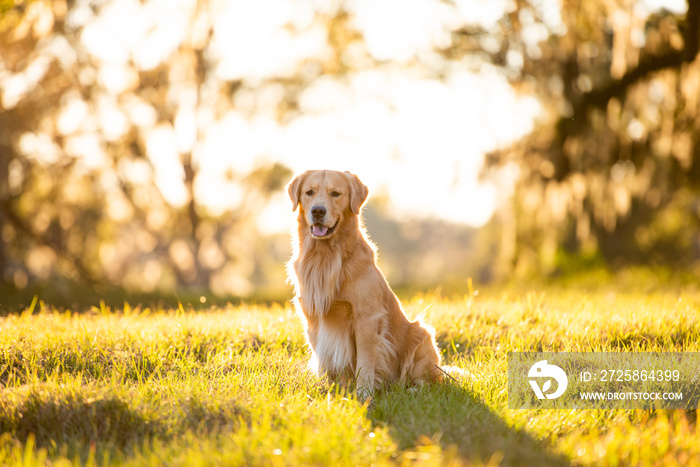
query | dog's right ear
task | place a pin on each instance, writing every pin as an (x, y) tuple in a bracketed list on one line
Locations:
[(294, 189)]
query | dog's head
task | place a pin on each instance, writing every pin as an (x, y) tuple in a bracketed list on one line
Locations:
[(325, 198)]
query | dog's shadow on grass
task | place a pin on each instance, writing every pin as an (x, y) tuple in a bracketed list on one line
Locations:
[(464, 427)]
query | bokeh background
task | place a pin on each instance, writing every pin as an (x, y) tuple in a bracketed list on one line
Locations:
[(145, 145)]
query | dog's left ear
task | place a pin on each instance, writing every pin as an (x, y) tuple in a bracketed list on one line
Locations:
[(358, 192), (294, 189)]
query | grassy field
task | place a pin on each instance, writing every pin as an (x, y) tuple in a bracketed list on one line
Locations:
[(229, 386)]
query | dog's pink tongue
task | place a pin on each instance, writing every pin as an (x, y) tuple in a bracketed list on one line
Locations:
[(320, 231)]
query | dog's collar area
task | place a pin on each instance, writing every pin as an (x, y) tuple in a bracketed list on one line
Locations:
[(321, 231)]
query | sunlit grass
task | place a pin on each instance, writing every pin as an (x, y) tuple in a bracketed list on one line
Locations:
[(229, 386)]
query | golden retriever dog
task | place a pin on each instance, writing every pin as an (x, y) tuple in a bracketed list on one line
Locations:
[(354, 323)]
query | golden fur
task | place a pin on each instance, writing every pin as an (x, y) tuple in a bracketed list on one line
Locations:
[(353, 321)]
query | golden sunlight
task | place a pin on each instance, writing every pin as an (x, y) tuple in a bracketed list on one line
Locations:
[(395, 127), (149, 142)]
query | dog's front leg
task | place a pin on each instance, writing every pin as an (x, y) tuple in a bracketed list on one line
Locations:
[(367, 339)]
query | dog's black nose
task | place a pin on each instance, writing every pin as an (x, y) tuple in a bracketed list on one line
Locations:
[(318, 212)]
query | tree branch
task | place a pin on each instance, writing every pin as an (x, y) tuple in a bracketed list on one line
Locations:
[(599, 98), (19, 224)]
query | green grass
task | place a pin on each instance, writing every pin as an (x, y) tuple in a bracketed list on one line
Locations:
[(229, 386)]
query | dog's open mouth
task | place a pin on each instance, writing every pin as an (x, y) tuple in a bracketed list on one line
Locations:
[(318, 230)]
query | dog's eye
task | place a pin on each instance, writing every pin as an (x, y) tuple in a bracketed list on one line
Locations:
[(335, 194), (310, 193)]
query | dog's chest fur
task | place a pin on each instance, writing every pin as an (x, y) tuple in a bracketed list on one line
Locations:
[(318, 273), (332, 338)]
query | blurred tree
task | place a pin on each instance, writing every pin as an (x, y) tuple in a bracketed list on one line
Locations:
[(103, 127), (90, 191), (613, 167)]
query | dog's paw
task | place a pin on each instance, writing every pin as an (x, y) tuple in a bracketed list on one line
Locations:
[(365, 393)]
